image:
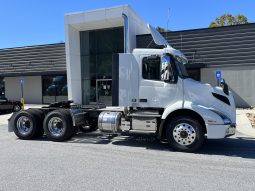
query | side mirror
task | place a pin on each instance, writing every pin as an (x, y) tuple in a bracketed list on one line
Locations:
[(224, 86), (165, 68)]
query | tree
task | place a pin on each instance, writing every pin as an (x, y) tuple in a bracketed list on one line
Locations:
[(228, 19), (160, 29)]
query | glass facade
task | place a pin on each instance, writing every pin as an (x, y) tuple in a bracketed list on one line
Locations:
[(2, 86), (97, 48), (54, 88)]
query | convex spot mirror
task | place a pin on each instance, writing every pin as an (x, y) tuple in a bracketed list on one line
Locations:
[(166, 71)]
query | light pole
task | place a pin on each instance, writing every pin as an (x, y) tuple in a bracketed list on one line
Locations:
[(22, 93)]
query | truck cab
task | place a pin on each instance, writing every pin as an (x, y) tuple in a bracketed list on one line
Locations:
[(156, 79)]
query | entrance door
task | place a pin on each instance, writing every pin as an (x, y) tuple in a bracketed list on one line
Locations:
[(104, 91)]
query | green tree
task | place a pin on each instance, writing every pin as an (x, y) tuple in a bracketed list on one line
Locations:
[(160, 29), (228, 19)]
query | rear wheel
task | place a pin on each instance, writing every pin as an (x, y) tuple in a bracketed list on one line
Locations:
[(16, 108), (40, 116), (185, 134), (58, 125), (26, 125)]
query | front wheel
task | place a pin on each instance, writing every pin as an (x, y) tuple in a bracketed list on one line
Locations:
[(185, 134)]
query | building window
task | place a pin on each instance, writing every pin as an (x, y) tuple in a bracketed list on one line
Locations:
[(54, 88), (97, 48), (151, 68), (2, 87)]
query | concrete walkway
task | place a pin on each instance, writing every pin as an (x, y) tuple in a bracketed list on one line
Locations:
[(3, 120), (243, 123)]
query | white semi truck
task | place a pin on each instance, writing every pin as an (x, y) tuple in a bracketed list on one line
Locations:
[(152, 93)]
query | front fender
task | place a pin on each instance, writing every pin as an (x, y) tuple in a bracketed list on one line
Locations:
[(208, 115), (178, 105), (214, 122)]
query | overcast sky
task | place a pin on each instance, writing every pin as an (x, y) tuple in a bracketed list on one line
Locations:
[(32, 22)]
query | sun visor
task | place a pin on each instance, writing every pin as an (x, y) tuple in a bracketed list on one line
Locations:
[(157, 37)]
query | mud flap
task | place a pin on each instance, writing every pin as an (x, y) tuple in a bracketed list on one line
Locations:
[(11, 122)]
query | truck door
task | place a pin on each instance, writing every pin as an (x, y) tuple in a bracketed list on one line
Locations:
[(159, 86)]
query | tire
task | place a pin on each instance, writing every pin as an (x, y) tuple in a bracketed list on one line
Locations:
[(185, 134), (58, 125), (16, 108), (39, 114), (26, 125), (89, 127)]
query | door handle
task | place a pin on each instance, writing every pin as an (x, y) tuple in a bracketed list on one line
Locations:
[(143, 100)]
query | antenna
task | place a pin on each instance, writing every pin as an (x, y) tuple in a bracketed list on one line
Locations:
[(181, 41), (168, 18), (194, 54)]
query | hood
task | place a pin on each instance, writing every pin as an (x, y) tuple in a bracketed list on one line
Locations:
[(202, 94)]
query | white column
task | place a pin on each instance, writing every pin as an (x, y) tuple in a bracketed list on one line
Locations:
[(73, 61)]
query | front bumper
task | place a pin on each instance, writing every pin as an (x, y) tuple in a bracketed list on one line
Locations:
[(220, 131)]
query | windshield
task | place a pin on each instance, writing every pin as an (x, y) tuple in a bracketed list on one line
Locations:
[(180, 63)]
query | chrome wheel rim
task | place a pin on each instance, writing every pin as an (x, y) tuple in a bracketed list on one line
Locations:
[(184, 134), (24, 125), (55, 126)]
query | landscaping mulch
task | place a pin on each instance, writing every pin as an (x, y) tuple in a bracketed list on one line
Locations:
[(251, 117)]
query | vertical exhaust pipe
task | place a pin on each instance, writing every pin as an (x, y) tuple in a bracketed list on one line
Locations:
[(126, 28), (126, 43)]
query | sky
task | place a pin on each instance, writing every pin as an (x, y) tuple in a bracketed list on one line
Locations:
[(34, 22)]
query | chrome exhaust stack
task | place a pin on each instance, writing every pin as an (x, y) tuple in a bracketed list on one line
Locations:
[(126, 28)]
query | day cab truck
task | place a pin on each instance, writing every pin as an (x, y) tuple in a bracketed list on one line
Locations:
[(152, 93)]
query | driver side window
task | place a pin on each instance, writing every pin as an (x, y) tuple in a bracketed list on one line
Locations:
[(157, 68), (151, 68)]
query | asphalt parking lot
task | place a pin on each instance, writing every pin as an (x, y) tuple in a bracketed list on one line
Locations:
[(97, 162)]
